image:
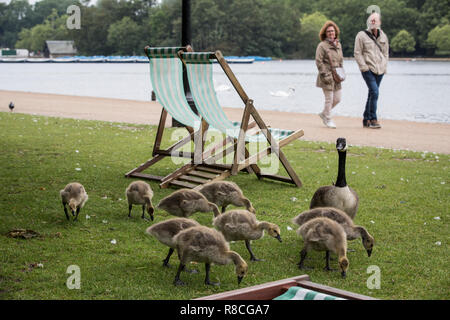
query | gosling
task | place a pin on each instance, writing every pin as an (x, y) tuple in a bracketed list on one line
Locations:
[(165, 232), (206, 245), (75, 196), (323, 234), (339, 195), (353, 231), (185, 202), (238, 225), (224, 193), (140, 192)]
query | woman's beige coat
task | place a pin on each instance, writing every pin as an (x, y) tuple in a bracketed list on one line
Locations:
[(325, 77)]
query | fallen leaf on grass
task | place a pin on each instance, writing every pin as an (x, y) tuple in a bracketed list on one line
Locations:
[(23, 233)]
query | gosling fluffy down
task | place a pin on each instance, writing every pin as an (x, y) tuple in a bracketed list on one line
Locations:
[(140, 192), (206, 245), (166, 231), (224, 193), (353, 231), (185, 202), (75, 196), (323, 234), (238, 225)]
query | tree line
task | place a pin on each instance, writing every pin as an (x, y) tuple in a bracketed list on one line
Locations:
[(281, 28)]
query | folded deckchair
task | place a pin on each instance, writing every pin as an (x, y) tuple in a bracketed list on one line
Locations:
[(296, 288), (199, 67), (166, 74)]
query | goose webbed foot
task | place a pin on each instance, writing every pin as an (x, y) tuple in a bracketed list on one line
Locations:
[(209, 283), (178, 282), (256, 259)]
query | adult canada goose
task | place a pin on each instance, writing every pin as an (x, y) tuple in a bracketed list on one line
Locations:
[(75, 196), (238, 225), (140, 192), (353, 231), (323, 234), (206, 245), (224, 193), (165, 232), (184, 202), (339, 195)]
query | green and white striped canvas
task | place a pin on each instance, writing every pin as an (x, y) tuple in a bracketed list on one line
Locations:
[(166, 74), (299, 293), (199, 68)]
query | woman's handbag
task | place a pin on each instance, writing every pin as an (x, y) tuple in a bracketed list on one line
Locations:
[(337, 72)]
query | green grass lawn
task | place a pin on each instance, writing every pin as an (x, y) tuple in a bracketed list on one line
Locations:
[(401, 194)]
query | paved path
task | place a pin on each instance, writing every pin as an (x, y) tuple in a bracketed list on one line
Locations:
[(395, 134)]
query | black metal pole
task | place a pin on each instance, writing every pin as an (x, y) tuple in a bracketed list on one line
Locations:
[(186, 40), (186, 23)]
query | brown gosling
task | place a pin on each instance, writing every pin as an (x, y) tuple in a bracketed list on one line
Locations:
[(185, 202), (206, 245), (224, 193), (75, 196), (353, 231), (165, 232), (339, 195), (323, 234), (140, 192), (238, 225)]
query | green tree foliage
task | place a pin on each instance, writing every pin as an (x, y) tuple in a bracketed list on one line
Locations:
[(403, 42), (124, 37), (439, 37), (53, 28), (310, 28), (281, 28)]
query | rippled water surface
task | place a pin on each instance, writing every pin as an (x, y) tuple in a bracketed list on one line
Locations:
[(411, 90)]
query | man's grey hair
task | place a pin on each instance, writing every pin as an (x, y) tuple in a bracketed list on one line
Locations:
[(374, 21)]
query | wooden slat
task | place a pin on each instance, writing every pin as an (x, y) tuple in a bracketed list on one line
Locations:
[(333, 291), (189, 178), (265, 291), (277, 177), (271, 290), (297, 134), (145, 176), (183, 184), (174, 175), (202, 174), (210, 170)]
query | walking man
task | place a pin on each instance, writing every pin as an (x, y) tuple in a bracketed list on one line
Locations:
[(372, 54)]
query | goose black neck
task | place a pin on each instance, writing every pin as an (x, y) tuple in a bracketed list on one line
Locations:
[(340, 181)]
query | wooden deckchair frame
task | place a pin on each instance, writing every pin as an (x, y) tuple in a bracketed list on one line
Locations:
[(271, 290), (242, 160), (210, 171)]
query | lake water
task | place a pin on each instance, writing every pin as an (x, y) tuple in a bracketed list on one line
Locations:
[(411, 90)]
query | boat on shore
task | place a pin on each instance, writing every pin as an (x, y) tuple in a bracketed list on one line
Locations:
[(116, 59)]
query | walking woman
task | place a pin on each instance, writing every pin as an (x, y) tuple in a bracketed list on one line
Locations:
[(329, 48)]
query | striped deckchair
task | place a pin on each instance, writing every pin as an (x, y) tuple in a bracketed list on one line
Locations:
[(199, 67), (166, 75), (299, 293), (296, 288)]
